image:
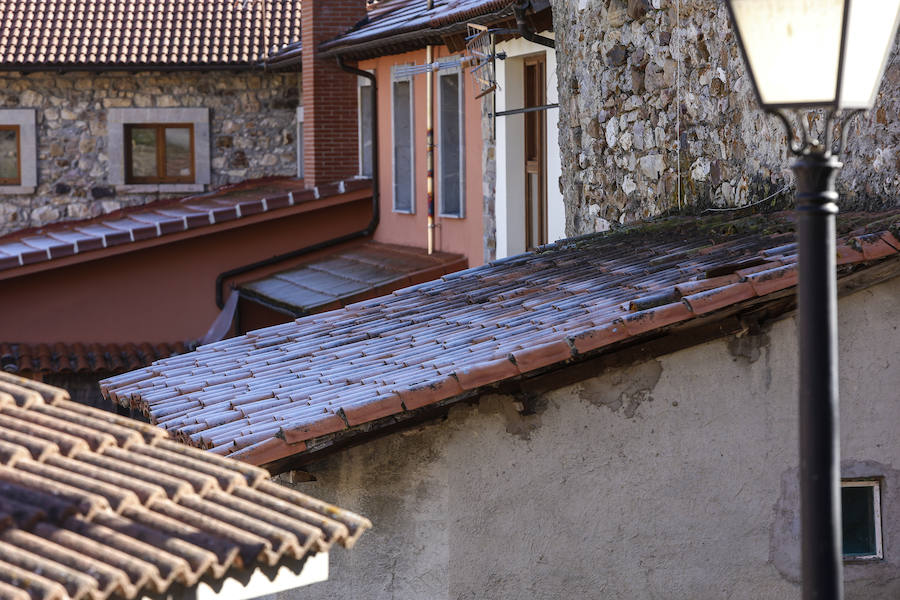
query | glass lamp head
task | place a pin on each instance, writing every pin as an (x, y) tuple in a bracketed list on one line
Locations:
[(815, 53)]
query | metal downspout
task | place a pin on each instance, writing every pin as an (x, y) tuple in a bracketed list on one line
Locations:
[(429, 140), (367, 231), (525, 31)]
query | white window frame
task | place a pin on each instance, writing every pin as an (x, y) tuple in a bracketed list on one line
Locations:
[(365, 83), (412, 142), (876, 513), (118, 118), (462, 145), (26, 121)]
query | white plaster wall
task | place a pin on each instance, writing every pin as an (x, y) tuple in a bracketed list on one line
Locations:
[(510, 186), (664, 480)]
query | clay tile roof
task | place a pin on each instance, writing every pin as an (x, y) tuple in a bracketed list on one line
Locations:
[(350, 274), (82, 358), (399, 25), (272, 392), (143, 34), (94, 505), (193, 215)]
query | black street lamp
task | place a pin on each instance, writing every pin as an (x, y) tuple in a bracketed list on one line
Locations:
[(817, 54)]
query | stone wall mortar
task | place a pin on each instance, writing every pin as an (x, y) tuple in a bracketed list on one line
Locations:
[(489, 177), (252, 133), (658, 114)]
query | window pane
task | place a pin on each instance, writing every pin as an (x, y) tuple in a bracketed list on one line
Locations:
[(178, 152), (450, 138), (143, 152), (858, 520), (9, 154), (365, 130), (402, 147)]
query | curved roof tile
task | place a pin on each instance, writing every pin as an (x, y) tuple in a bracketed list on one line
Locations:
[(267, 394), (94, 505), (139, 34)]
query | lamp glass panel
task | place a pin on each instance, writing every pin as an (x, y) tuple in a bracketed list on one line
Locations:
[(871, 29), (792, 47)]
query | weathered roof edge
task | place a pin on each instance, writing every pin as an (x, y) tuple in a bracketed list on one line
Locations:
[(401, 39), (555, 358), (194, 215), (712, 298)]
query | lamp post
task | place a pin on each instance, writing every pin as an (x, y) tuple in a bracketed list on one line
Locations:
[(817, 54)]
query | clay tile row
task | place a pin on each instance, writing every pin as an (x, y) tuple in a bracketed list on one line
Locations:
[(94, 505), (135, 32), (82, 358), (159, 219), (264, 395)]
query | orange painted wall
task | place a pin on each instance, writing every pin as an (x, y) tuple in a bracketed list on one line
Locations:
[(158, 294), (462, 236)]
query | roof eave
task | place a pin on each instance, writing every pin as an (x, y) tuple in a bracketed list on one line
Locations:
[(282, 456), (406, 39), (130, 68)]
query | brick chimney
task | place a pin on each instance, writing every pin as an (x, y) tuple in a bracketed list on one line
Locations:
[(330, 142)]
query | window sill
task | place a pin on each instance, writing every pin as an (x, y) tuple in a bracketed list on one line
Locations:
[(16, 189), (153, 188), (458, 217)]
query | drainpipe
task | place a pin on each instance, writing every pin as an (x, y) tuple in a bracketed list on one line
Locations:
[(429, 140), (525, 31), (367, 231)]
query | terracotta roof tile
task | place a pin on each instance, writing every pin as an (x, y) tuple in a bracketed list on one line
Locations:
[(83, 358), (136, 34), (134, 513), (159, 219), (399, 25), (265, 395)]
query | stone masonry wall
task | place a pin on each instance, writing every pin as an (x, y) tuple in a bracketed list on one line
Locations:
[(489, 178), (657, 113), (252, 130)]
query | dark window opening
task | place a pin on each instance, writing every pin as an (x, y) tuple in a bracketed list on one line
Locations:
[(861, 519), (156, 153)]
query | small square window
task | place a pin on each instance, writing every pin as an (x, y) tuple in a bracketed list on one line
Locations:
[(861, 519), (10, 155), (159, 153)]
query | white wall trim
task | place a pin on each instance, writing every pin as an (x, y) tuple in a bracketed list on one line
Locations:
[(510, 188)]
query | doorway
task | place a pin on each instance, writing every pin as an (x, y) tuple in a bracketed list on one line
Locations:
[(535, 152)]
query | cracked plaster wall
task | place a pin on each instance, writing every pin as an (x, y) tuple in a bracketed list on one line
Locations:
[(252, 130), (662, 480), (657, 113)]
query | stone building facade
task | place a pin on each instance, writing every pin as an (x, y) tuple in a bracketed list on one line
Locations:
[(252, 125), (657, 114)]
